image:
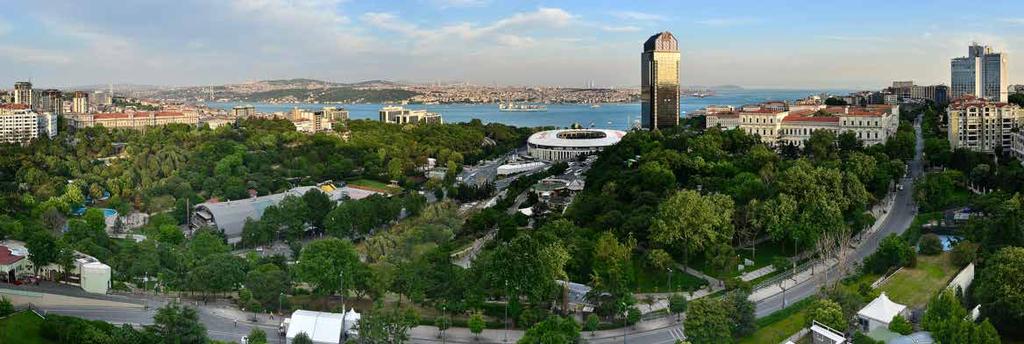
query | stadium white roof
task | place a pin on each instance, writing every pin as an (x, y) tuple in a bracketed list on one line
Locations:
[(576, 138)]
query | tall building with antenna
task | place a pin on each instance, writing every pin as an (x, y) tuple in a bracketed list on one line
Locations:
[(659, 82)]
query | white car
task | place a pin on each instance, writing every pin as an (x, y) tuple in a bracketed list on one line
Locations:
[(245, 339)]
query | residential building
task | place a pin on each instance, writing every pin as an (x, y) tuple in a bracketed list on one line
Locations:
[(1014, 89), (400, 115), (659, 82), (19, 124), (983, 126), (907, 91), (102, 98), (132, 120), (335, 114), (873, 124), (243, 111), (80, 102), (982, 73), (51, 101), (86, 271), (1017, 144), (23, 93)]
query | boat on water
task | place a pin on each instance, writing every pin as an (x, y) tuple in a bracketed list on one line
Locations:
[(513, 107), (595, 106)]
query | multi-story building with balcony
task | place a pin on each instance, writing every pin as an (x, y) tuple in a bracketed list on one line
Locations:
[(132, 120), (872, 124), (983, 126), (19, 124)]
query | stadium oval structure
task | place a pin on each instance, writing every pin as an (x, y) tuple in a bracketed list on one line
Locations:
[(566, 144)]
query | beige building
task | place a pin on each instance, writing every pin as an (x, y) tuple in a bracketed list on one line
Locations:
[(80, 102), (132, 120), (872, 124), (400, 115), (243, 111), (983, 126), (23, 93), (1017, 145), (659, 82)]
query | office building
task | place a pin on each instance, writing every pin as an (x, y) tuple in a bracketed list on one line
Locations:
[(981, 125), (243, 111), (23, 93), (400, 115), (19, 124), (51, 101), (872, 124), (132, 120), (659, 82), (80, 102), (982, 73)]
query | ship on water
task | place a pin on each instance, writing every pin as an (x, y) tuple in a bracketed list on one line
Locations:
[(513, 107)]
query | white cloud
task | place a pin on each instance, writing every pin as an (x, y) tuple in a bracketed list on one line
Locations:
[(34, 56), (633, 15), (1013, 21), (854, 38), (627, 28), (728, 21), (4, 27), (509, 31), (459, 3)]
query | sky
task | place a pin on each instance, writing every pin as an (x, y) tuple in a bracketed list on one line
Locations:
[(765, 43)]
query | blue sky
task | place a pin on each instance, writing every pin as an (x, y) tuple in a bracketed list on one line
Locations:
[(782, 44)]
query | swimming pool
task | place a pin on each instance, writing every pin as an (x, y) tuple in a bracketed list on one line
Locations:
[(107, 212)]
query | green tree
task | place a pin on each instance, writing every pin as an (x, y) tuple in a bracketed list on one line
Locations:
[(6, 307), (554, 329), (930, 244), (218, 273), (476, 324), (1000, 287), (206, 243), (693, 221), (741, 309), (893, 251), (178, 324), (43, 249), (964, 253), (267, 282), (302, 338), (385, 326), (677, 304), (659, 259), (708, 321), (829, 313), (256, 336), (318, 205), (529, 267), (592, 323), (324, 263), (900, 325)]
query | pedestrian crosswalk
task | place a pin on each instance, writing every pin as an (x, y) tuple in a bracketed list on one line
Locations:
[(677, 333)]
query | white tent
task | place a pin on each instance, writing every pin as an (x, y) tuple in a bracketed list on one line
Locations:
[(879, 313), (321, 327), (95, 277)]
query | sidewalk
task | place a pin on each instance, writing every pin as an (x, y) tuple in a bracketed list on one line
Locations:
[(429, 334)]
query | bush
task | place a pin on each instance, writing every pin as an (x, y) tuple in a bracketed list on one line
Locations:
[(901, 325), (860, 338), (964, 253), (781, 263), (930, 244), (6, 307), (893, 251)]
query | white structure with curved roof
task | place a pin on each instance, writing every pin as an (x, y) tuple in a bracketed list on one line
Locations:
[(565, 144)]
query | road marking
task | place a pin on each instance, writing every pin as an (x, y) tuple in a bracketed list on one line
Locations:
[(677, 333)]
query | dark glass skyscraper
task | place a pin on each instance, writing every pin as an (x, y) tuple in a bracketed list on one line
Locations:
[(659, 82)]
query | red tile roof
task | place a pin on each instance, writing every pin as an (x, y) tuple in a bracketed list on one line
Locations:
[(792, 118), (121, 115), (14, 106), (8, 258)]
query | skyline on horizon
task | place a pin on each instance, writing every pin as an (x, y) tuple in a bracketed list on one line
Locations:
[(809, 45)]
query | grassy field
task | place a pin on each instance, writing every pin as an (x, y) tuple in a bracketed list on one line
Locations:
[(375, 186), (913, 287), (778, 326), (21, 328), (650, 281)]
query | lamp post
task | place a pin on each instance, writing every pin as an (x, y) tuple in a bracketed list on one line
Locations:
[(506, 312), (669, 279), (625, 322), (444, 322)]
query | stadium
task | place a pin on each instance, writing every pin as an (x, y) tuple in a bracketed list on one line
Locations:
[(565, 144)]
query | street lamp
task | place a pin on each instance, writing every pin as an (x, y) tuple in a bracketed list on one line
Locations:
[(506, 312), (444, 322), (625, 324), (669, 279)]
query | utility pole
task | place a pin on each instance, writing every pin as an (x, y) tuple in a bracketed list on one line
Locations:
[(625, 324), (506, 312)]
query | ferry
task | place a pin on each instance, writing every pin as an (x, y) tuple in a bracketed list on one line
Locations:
[(595, 106), (513, 107)]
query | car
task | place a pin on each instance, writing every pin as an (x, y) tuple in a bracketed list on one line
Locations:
[(245, 340)]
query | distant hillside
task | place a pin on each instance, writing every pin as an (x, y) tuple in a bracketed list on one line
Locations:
[(334, 94)]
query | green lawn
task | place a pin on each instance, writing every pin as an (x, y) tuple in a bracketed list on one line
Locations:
[(764, 254), (650, 281), (21, 328), (914, 287), (778, 326), (375, 186)]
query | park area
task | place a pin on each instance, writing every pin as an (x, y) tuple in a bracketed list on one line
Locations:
[(21, 328), (373, 185), (778, 326), (915, 286)]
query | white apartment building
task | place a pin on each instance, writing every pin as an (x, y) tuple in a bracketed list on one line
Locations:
[(80, 102), (1017, 145), (19, 124), (872, 124), (981, 125), (400, 115)]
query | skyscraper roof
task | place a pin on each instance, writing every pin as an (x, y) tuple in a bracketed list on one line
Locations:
[(662, 41)]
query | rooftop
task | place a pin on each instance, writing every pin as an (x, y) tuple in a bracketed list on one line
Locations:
[(662, 41)]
